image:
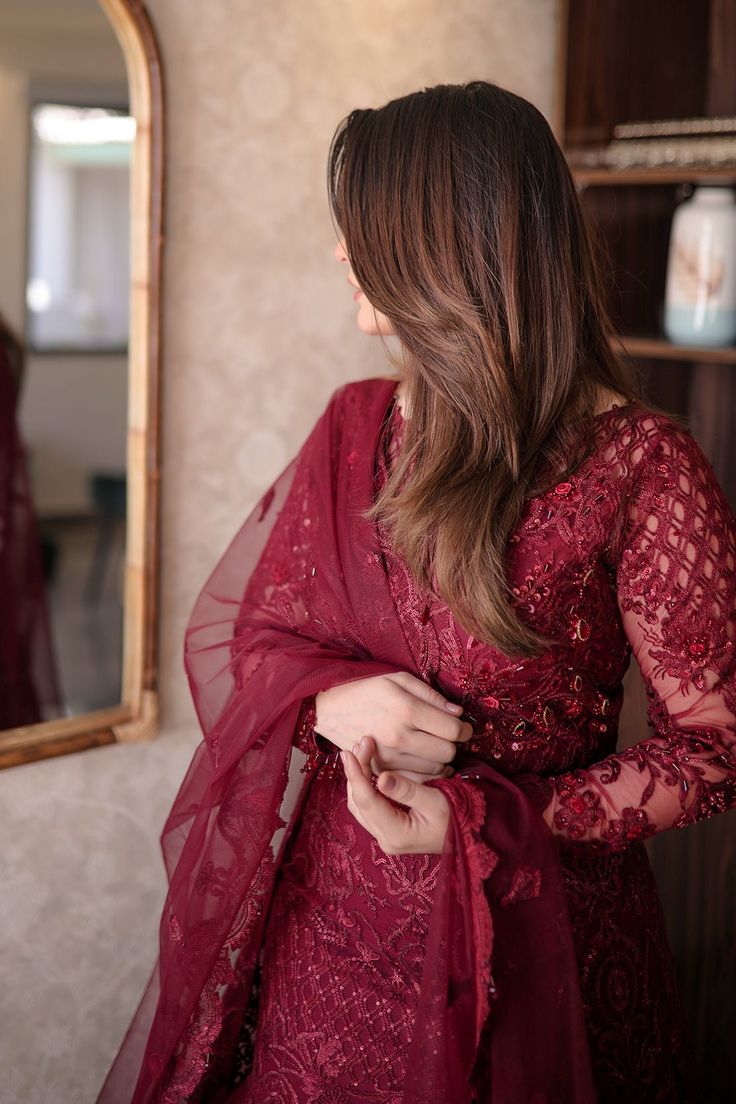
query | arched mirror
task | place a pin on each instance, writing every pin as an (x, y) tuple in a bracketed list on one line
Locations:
[(81, 232)]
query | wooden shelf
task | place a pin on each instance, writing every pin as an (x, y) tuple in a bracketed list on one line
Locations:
[(659, 348), (611, 177)]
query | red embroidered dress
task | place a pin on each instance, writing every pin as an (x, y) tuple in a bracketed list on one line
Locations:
[(635, 552), (298, 963)]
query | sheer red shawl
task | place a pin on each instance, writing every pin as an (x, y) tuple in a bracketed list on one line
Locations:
[(298, 602)]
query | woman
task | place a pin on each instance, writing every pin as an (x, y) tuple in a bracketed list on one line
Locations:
[(446, 585)]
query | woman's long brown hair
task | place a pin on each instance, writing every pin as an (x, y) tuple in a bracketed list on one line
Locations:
[(463, 226)]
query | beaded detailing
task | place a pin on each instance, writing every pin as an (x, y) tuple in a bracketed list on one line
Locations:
[(648, 525), (675, 575), (633, 552), (320, 752)]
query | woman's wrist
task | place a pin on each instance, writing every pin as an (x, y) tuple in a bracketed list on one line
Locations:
[(307, 737), (322, 742)]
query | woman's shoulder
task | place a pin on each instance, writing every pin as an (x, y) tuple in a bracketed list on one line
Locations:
[(361, 402), (639, 434), (665, 471), (364, 389)]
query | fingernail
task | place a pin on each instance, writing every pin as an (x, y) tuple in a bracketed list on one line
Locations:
[(453, 707), (390, 782), (355, 747), (343, 758)]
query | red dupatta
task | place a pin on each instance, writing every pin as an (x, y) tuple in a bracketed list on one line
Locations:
[(298, 602)]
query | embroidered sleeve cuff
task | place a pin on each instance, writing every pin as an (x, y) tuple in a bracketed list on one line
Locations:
[(315, 746)]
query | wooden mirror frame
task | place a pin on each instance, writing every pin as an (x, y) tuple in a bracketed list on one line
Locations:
[(136, 717)]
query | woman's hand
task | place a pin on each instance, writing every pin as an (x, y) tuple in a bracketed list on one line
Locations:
[(414, 728), (421, 829)]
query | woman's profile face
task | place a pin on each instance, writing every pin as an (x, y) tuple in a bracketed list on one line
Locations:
[(369, 320)]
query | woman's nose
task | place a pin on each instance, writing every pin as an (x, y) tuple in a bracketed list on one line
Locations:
[(339, 252)]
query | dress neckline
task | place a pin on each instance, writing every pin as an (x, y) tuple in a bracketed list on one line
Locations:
[(629, 405)]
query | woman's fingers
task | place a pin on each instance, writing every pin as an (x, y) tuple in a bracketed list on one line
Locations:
[(429, 711), (391, 759), (363, 752), (438, 722), (420, 689), (379, 764), (421, 778), (425, 745), (370, 808), (398, 831)]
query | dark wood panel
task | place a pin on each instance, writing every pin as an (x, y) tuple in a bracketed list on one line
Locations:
[(634, 223), (712, 408), (721, 95), (695, 868), (623, 60), (634, 59), (668, 384)]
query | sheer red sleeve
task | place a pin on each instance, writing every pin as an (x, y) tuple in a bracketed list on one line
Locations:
[(676, 589), (315, 746), (304, 734)]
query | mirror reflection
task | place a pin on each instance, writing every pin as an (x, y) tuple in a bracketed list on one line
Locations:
[(64, 303)]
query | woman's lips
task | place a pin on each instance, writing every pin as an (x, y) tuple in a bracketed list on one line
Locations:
[(358, 291)]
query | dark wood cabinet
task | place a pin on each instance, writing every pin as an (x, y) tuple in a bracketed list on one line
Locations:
[(625, 61)]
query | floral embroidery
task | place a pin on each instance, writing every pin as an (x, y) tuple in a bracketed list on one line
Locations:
[(470, 808), (577, 812), (634, 554), (526, 885)]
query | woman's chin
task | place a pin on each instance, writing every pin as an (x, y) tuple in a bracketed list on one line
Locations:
[(367, 325), (371, 321)]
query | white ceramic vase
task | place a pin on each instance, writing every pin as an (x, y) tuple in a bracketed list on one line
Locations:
[(700, 294)]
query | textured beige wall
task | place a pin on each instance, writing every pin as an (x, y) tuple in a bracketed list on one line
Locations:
[(258, 328)]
